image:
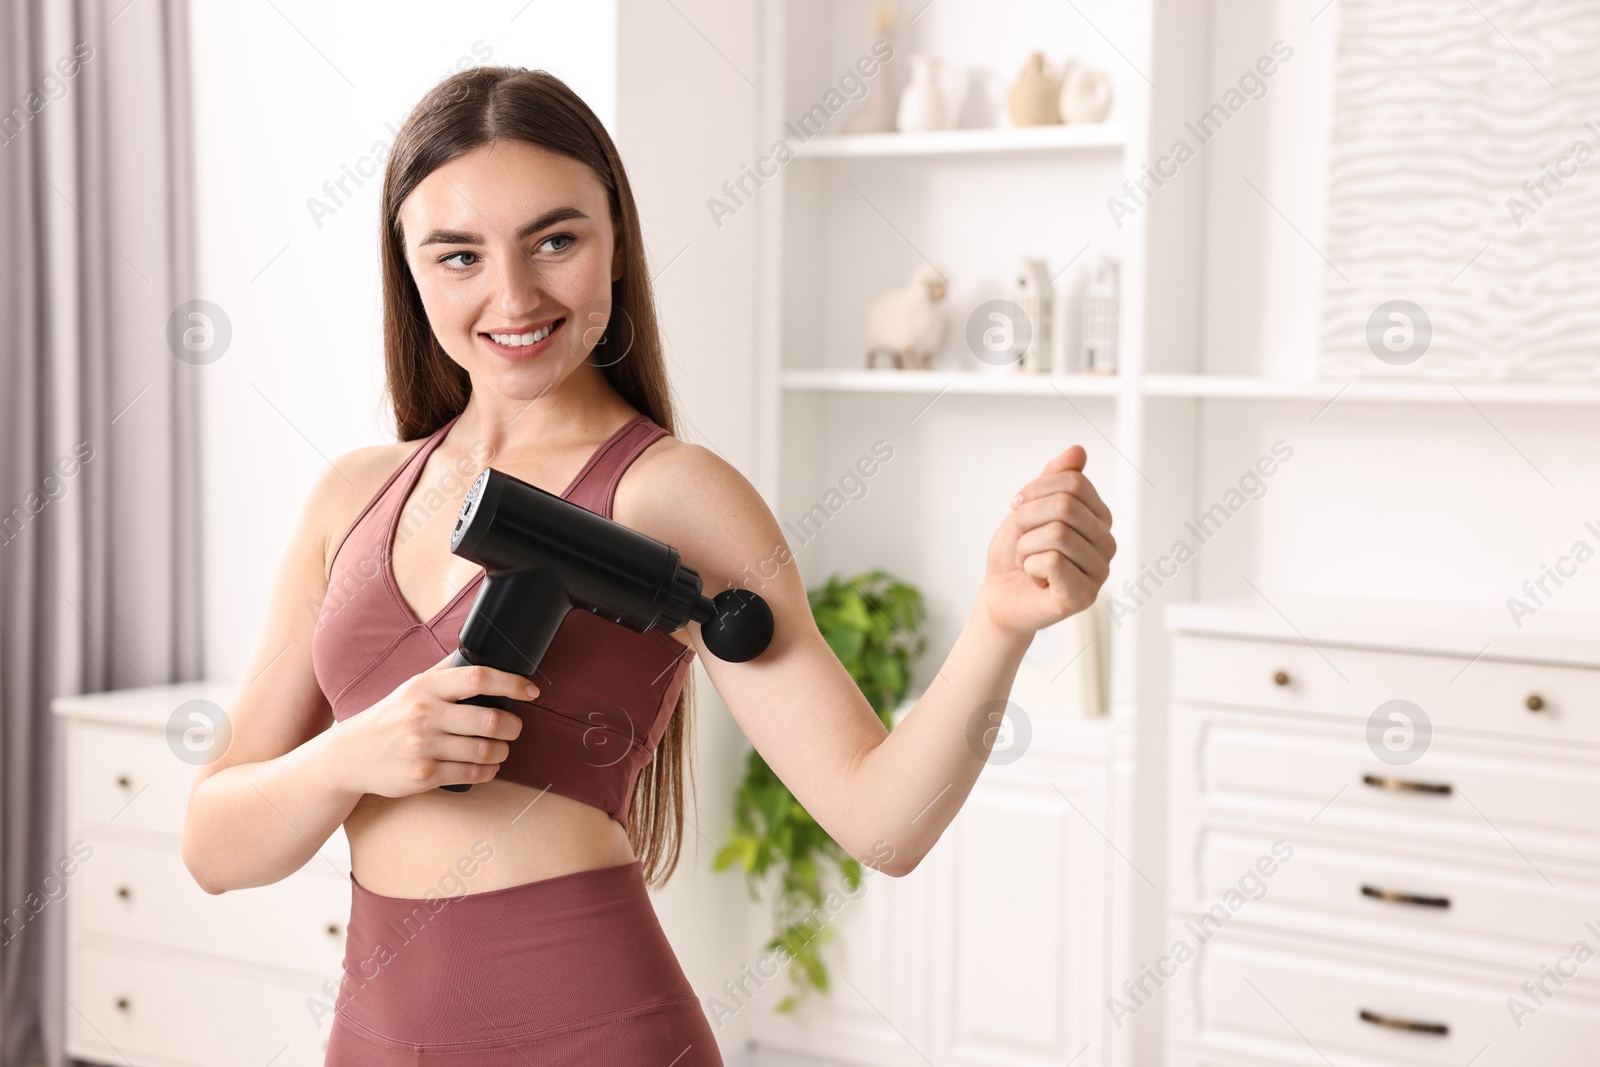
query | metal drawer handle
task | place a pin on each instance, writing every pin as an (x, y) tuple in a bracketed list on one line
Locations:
[(124, 781), (1403, 1024), (122, 1004), (1535, 702), (333, 929), (1400, 785), (124, 892), (1280, 678), (1397, 897)]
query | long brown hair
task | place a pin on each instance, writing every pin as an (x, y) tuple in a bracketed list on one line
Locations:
[(428, 389)]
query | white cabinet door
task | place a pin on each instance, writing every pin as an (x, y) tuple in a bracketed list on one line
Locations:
[(1019, 902)]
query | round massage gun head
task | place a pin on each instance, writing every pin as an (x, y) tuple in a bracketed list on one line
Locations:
[(740, 626)]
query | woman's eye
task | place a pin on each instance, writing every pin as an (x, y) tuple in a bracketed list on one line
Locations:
[(463, 266)]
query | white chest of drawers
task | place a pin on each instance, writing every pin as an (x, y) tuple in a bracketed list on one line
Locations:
[(158, 972), (1442, 869)]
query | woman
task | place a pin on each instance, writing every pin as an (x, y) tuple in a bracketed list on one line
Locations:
[(511, 923)]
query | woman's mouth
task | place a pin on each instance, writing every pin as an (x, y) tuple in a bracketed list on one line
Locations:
[(522, 346)]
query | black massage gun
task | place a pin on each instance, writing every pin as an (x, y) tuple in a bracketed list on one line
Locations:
[(543, 556)]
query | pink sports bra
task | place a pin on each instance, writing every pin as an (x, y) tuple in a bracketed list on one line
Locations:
[(606, 692)]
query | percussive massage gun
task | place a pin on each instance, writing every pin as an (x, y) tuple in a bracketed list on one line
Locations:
[(543, 556)]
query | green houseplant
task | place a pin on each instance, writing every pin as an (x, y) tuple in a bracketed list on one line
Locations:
[(873, 623)]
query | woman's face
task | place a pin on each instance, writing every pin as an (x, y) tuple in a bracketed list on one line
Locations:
[(506, 241)]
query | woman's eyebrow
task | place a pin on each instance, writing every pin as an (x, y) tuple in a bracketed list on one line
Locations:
[(462, 237)]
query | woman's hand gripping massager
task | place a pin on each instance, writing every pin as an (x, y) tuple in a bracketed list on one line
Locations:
[(543, 556)]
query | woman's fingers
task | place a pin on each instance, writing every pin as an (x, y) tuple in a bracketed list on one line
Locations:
[(1072, 483), (1076, 549), (478, 720), (456, 748), (457, 683), (1069, 509)]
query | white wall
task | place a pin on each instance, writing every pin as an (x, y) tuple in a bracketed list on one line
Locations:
[(286, 102)]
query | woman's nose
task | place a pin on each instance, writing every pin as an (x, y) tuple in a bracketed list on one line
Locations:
[(518, 284)]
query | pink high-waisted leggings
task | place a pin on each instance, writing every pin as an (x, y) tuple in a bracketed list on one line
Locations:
[(571, 969)]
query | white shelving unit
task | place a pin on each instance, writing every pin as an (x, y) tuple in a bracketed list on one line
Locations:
[(851, 216), (1050, 841)]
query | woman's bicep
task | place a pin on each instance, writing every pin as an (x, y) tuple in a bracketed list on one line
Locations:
[(795, 702)]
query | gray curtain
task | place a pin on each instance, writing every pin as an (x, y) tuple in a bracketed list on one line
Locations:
[(99, 524)]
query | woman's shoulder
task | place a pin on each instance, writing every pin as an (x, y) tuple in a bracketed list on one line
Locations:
[(686, 495), (668, 467)]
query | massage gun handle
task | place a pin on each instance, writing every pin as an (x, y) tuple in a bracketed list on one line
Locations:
[(458, 660)]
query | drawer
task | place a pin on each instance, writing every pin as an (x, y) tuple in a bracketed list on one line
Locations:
[(153, 1009), (1509, 799), (129, 778), (1487, 907), (126, 777), (145, 893), (1489, 695), (1252, 992)]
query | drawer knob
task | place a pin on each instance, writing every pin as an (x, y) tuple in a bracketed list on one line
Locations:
[(124, 892), (1535, 702), (1400, 785), (1396, 1023), (1394, 896), (1281, 678), (124, 781), (122, 1004), (333, 929)]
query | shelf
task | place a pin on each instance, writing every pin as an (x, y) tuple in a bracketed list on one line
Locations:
[(994, 140), (1192, 386), (1248, 387), (1007, 383)]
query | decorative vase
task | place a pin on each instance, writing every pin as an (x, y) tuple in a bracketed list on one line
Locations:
[(876, 113), (1085, 95), (931, 96), (1035, 98)]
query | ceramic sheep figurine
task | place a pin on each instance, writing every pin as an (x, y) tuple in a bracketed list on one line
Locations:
[(907, 325)]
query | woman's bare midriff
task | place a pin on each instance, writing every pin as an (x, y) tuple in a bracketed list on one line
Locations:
[(404, 846)]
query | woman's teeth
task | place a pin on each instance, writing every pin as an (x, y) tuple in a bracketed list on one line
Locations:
[(522, 340)]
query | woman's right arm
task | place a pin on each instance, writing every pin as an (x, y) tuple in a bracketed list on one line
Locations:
[(290, 774)]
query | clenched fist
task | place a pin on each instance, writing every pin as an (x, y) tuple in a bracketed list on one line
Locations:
[(1053, 552)]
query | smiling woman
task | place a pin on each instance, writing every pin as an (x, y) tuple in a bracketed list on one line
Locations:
[(511, 253), (507, 235)]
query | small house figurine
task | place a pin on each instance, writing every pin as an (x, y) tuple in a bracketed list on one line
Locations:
[(907, 324), (1030, 291), (1100, 318)]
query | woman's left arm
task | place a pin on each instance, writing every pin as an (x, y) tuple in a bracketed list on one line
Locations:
[(884, 797)]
